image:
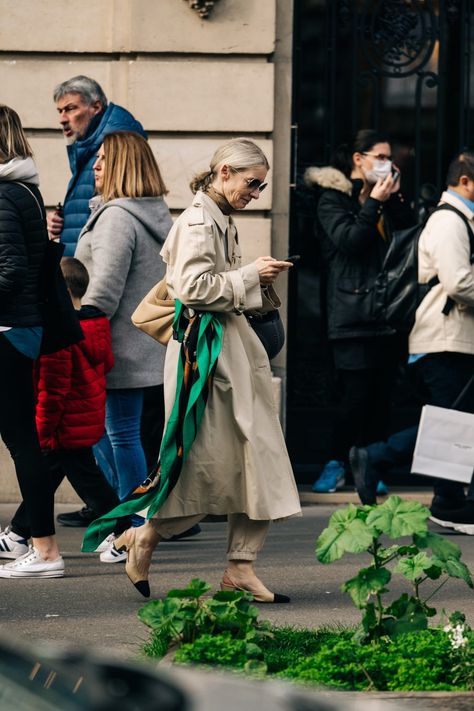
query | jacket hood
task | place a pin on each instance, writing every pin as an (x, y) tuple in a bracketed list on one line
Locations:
[(114, 118), (328, 177), (22, 169), (151, 212), (96, 330)]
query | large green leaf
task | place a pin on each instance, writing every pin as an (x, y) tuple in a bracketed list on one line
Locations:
[(398, 517), (414, 566), (408, 616), (156, 612), (441, 547), (346, 533), (195, 589), (455, 569), (411, 623), (367, 582)]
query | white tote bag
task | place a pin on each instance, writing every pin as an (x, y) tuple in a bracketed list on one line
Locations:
[(445, 444)]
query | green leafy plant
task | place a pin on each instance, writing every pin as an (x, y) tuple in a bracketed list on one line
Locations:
[(222, 651), (185, 615), (462, 649), (413, 661), (429, 556)]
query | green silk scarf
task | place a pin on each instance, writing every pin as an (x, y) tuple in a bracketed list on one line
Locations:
[(201, 341)]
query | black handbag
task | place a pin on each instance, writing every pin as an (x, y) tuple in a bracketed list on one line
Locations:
[(61, 325), (269, 328)]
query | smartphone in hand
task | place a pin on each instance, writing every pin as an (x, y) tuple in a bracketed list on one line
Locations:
[(395, 174)]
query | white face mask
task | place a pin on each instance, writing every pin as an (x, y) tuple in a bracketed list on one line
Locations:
[(380, 170)]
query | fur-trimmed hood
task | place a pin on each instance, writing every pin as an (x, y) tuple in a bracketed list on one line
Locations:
[(328, 177)]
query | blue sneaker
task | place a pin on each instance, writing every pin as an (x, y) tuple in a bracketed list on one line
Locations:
[(382, 489), (331, 479)]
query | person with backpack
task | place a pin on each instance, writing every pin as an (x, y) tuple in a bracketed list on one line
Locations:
[(441, 343), (358, 205)]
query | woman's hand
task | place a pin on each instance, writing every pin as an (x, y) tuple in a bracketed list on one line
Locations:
[(269, 268), (383, 189)]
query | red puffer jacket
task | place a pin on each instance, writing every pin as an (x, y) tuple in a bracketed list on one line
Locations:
[(70, 409)]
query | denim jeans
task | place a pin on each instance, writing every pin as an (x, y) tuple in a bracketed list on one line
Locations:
[(120, 453)]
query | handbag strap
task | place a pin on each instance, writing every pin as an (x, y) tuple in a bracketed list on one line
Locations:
[(33, 196)]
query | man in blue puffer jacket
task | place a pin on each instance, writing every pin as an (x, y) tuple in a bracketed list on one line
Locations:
[(85, 117)]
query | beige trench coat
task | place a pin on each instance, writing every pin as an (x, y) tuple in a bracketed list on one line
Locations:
[(238, 462)]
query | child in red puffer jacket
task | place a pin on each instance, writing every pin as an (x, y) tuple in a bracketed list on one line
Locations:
[(70, 412)]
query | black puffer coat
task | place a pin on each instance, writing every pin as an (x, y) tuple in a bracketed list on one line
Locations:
[(23, 239), (353, 249)]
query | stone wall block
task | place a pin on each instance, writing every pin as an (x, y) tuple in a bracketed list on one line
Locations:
[(164, 96), (203, 96), (163, 26), (254, 237)]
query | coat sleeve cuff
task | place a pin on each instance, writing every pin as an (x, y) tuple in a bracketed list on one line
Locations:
[(246, 287)]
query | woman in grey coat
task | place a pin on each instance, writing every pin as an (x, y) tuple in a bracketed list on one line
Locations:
[(120, 247)]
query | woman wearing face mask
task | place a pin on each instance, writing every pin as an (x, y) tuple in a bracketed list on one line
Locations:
[(359, 204)]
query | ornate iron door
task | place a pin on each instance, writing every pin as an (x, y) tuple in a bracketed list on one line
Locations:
[(399, 65)]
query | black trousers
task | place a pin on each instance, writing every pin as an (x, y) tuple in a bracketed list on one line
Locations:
[(365, 409), (441, 378), (366, 371), (18, 431), (152, 422), (80, 467)]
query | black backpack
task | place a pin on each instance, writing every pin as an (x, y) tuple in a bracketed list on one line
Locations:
[(397, 291)]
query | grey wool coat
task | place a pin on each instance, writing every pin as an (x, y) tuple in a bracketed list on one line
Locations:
[(120, 247), (238, 462)]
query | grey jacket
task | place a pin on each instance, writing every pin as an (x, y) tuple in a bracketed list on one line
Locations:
[(120, 247)]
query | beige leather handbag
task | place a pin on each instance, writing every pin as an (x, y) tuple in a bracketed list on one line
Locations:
[(155, 313)]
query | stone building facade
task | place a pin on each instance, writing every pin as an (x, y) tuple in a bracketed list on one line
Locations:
[(192, 82)]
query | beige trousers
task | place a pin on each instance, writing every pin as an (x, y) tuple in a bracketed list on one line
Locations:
[(245, 537)]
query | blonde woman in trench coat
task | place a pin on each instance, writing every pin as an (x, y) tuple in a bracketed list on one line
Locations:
[(238, 464)]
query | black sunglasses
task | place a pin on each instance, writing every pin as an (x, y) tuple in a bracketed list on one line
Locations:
[(252, 183)]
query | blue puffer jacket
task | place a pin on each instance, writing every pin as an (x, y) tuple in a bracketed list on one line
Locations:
[(82, 156)]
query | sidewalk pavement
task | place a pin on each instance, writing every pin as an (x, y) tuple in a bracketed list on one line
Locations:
[(94, 607), (347, 495), (95, 604)]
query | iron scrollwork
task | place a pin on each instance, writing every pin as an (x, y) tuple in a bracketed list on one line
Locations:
[(398, 36)]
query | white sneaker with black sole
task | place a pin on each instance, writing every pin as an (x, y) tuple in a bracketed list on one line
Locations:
[(460, 519), (466, 528), (109, 553), (106, 543), (12, 545), (32, 565)]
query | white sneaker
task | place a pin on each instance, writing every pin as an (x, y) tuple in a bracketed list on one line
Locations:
[(12, 545), (106, 543), (112, 555), (32, 565)]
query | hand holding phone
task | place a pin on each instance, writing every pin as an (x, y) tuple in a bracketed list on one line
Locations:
[(395, 174)]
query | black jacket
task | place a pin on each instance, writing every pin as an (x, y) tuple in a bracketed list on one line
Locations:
[(353, 249), (23, 239)]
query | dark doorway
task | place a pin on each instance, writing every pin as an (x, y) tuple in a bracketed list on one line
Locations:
[(403, 66)]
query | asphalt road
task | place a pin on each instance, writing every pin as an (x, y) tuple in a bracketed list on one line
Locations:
[(95, 605)]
